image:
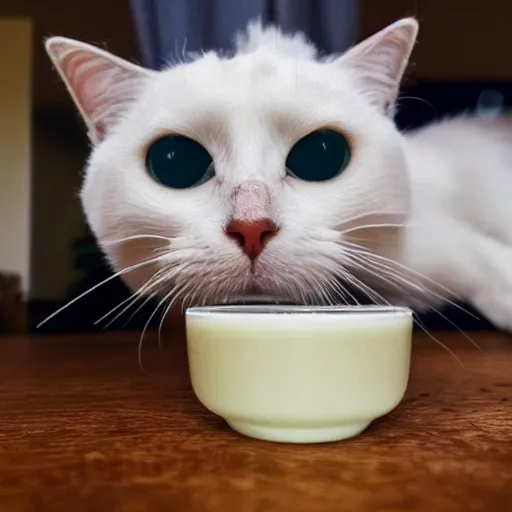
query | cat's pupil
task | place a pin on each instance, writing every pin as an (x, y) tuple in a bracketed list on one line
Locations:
[(179, 162), (319, 156)]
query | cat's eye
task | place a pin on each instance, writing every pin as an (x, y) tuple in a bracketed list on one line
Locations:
[(319, 156), (179, 162)]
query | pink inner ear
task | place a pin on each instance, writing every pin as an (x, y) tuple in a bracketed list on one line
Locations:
[(100, 84), (252, 201), (101, 131), (82, 71), (379, 61)]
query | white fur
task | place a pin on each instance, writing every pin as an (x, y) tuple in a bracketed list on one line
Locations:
[(428, 209), (257, 38)]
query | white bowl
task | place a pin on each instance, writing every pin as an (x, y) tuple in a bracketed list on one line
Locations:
[(299, 374)]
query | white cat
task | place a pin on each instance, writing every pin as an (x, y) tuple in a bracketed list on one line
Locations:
[(276, 172)]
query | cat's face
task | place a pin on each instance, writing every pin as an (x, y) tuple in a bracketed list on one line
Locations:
[(250, 224)]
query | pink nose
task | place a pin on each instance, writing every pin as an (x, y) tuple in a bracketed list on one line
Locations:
[(251, 235)]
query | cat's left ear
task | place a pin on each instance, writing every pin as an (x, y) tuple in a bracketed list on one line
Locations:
[(378, 63), (102, 85)]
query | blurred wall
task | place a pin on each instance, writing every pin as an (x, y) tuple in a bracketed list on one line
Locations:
[(59, 151), (458, 39), (15, 146)]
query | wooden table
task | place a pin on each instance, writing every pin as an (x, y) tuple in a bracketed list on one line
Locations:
[(83, 429)]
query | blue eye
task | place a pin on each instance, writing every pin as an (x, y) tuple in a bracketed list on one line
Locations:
[(319, 156), (179, 162)]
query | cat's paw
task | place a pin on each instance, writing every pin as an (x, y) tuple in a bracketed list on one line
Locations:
[(497, 307)]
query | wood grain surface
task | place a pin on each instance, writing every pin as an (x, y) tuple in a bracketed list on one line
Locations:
[(83, 429)]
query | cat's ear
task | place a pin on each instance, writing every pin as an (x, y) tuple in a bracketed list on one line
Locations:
[(378, 63), (101, 84)]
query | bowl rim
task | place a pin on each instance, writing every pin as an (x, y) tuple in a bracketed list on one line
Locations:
[(282, 309)]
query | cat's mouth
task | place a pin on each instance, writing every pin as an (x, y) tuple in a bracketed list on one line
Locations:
[(255, 299)]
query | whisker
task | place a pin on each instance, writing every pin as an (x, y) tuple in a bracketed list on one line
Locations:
[(362, 250), (318, 284), (454, 325), (166, 275), (339, 290), (374, 213), (419, 323), (147, 300), (105, 281), (446, 319), (165, 313), (165, 298), (421, 100), (381, 266), (139, 293), (135, 237), (371, 226), (298, 286), (364, 288), (391, 276), (366, 240), (389, 273)]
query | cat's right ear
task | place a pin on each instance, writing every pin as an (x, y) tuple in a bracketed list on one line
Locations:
[(377, 64), (101, 84)]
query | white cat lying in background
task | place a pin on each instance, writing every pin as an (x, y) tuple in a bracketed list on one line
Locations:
[(276, 172)]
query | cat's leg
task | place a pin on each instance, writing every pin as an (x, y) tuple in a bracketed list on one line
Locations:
[(477, 267), (490, 285), (493, 295)]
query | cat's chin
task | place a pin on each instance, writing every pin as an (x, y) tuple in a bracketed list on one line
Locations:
[(255, 299)]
